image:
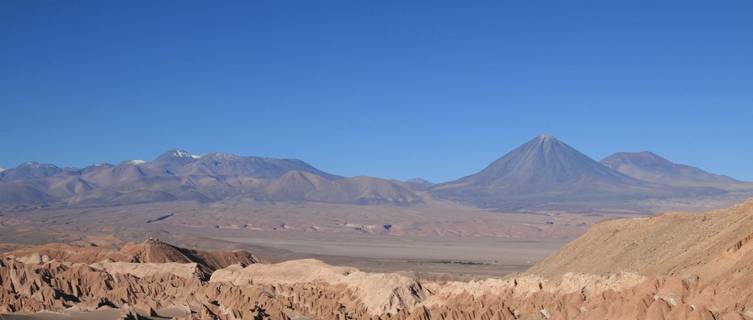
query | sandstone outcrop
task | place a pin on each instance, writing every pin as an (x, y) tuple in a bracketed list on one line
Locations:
[(149, 251)]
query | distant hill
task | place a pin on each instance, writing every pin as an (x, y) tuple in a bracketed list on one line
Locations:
[(418, 184), (181, 163), (179, 175), (306, 186), (547, 173), (651, 167), (30, 170)]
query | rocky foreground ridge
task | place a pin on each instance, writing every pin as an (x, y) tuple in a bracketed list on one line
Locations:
[(672, 266)]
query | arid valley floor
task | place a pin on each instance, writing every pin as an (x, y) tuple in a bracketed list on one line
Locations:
[(670, 266), (440, 237)]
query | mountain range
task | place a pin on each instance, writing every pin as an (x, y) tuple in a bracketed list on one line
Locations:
[(179, 175), (544, 173)]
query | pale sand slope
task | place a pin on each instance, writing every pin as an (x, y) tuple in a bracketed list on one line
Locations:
[(672, 244)]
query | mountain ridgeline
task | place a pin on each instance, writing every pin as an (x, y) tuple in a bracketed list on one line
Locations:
[(542, 174), (651, 167), (178, 175)]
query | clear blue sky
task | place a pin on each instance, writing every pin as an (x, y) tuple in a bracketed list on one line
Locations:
[(395, 89)]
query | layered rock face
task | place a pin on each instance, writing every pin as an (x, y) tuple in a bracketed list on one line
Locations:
[(673, 266), (150, 251)]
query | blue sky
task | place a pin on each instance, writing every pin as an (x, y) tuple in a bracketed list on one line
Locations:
[(395, 89)]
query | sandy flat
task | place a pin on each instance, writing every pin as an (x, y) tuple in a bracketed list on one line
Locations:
[(437, 237), (468, 255)]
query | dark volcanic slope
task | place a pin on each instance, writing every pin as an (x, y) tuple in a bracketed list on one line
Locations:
[(650, 167), (179, 175), (546, 171)]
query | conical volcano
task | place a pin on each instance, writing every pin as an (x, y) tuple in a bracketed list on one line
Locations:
[(542, 171), (543, 164)]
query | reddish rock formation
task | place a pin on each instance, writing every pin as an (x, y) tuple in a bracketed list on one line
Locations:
[(149, 251)]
